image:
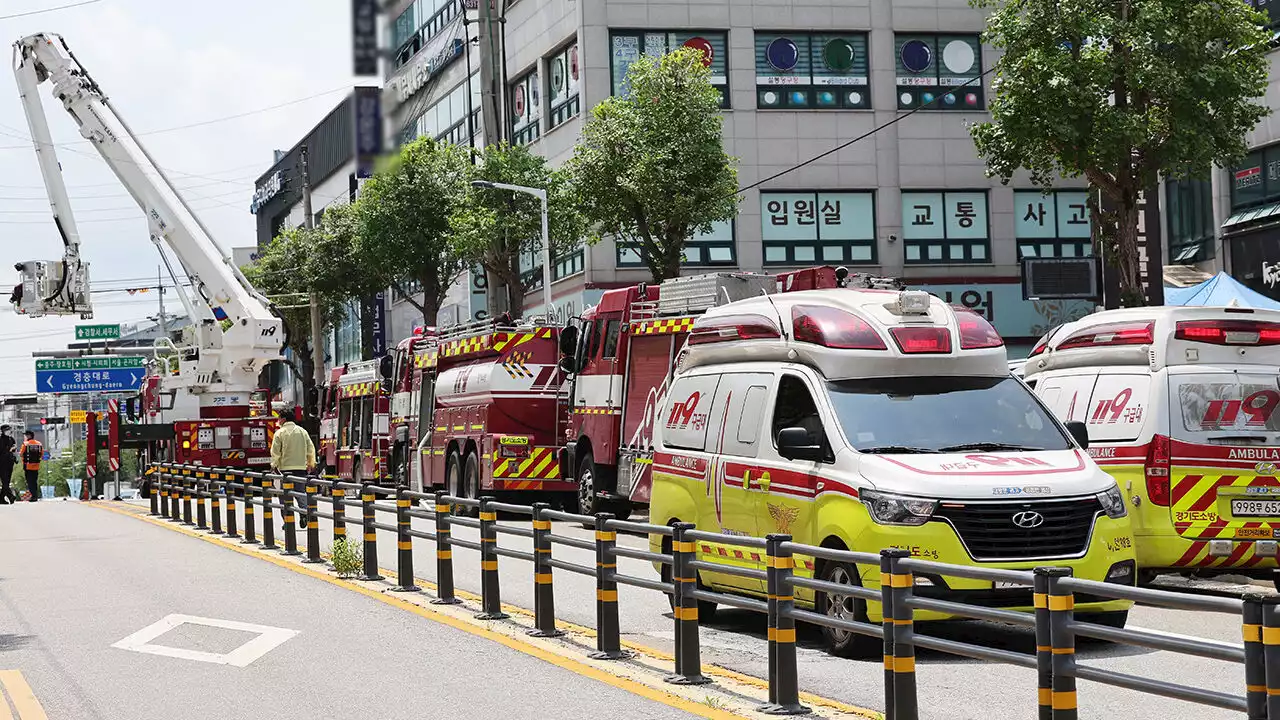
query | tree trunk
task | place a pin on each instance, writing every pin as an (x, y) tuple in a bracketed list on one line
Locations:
[(1126, 255), (366, 327), (514, 286)]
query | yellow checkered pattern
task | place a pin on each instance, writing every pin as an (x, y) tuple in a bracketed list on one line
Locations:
[(495, 341), (426, 360), (596, 411), (662, 327), (360, 389)]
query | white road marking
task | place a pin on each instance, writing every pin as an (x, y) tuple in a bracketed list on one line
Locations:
[(267, 640)]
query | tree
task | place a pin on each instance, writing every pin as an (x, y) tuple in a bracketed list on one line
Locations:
[(650, 169), (494, 228), (404, 214), (1121, 91)]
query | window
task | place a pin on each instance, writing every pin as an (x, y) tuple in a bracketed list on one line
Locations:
[(611, 339), (752, 409), (811, 70), (451, 119), (1052, 224), (426, 394), (526, 109), (344, 422), (420, 22), (570, 263), (1228, 408), (1264, 6), (626, 46), (818, 227), (795, 408), (933, 68), (562, 90), (366, 423), (593, 341), (1256, 180), (945, 227), (1189, 207), (405, 27), (715, 248)]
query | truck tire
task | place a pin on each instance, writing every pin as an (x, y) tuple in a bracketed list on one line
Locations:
[(621, 509), (471, 480), (845, 643), (453, 484), (588, 503)]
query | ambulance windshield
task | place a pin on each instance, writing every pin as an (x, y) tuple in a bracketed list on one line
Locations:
[(943, 415)]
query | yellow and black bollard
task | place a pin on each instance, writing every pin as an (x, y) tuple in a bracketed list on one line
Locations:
[(215, 515), (1062, 643), (1255, 671), (313, 525), (250, 532), (339, 513), (156, 483), (404, 544), (490, 591), (367, 499), (1271, 653), (230, 487), (444, 553), (187, 484), (268, 514), (608, 630), (290, 526), (544, 597), (784, 687), (163, 479), (688, 658), (898, 622), (202, 506), (1044, 646), (175, 496)]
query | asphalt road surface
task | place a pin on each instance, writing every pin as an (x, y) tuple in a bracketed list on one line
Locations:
[(949, 686), (107, 616)]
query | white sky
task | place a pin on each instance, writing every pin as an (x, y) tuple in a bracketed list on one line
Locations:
[(163, 64)]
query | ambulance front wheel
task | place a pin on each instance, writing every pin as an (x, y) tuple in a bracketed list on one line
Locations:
[(845, 643)]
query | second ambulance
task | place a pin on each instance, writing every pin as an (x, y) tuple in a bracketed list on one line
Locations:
[(866, 419)]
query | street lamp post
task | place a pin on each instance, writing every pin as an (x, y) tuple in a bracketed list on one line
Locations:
[(541, 194)]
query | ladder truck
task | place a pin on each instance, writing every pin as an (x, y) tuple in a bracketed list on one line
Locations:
[(235, 331)]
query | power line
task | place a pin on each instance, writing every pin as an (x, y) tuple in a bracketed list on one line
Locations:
[(49, 10)]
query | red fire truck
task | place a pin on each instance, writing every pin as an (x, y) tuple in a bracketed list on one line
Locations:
[(214, 441)]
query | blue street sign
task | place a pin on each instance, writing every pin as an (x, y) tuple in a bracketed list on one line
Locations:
[(81, 381)]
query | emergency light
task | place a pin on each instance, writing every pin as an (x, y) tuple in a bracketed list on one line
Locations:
[(913, 302), (1228, 332), (1121, 333), (832, 328), (922, 340), (975, 332), (733, 327)]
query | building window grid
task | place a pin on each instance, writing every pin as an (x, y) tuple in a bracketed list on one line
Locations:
[(526, 109), (717, 248), (931, 67), (455, 127), (945, 227), (563, 83), (1255, 181), (443, 13), (627, 46), (799, 70), (847, 216), (1052, 224), (1189, 207)]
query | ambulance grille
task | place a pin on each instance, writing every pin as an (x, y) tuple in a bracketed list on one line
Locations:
[(988, 531)]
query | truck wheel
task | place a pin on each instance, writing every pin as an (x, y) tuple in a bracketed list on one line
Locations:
[(471, 478), (588, 503), (621, 509), (845, 643), (453, 480)]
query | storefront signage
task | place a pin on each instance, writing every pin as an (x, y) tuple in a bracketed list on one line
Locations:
[(266, 191), (1271, 274), (1002, 304), (364, 36), (441, 50), (368, 122), (380, 324)]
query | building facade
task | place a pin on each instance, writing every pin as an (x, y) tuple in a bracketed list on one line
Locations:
[(911, 199)]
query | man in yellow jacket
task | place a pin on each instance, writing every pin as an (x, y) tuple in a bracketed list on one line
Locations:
[(291, 449)]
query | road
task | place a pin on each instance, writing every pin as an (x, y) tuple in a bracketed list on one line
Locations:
[(736, 639), (77, 581)]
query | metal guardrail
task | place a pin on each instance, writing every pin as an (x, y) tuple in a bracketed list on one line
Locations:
[(1053, 588)]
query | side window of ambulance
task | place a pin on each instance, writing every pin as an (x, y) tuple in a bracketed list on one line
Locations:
[(752, 411), (611, 339), (1118, 407), (733, 426), (795, 408), (685, 415), (1067, 396)]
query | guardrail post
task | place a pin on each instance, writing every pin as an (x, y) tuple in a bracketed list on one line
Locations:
[(896, 584), (685, 610), (202, 495), (404, 544), (155, 487), (490, 592), (268, 514), (250, 534), (1044, 646), (1271, 653), (339, 513), (544, 597), (175, 497), (368, 518), (784, 684), (163, 481), (187, 484), (290, 528), (1255, 671), (313, 525), (444, 554), (608, 627), (1062, 641), (215, 515), (230, 488)]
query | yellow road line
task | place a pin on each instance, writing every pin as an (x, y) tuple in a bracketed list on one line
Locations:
[(20, 694), (574, 666)]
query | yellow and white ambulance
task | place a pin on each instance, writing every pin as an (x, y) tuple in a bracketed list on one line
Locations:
[(868, 419), (1180, 405)]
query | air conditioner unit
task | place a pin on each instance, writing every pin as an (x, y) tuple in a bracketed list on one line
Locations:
[(1060, 278)]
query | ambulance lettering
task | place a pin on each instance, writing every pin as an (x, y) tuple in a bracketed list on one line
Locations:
[(1102, 452), (1257, 409), (686, 412), (1117, 410), (1271, 454)]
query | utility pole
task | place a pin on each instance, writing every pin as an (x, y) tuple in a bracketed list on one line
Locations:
[(317, 348), (492, 119)]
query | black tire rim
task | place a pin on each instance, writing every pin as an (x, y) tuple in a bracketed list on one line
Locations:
[(842, 607), (473, 479), (585, 492)]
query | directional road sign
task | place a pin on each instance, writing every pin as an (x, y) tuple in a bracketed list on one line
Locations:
[(97, 332), (89, 374)]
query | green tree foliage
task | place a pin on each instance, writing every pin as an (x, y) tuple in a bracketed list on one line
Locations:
[(404, 213), (494, 228), (1121, 91), (650, 168)]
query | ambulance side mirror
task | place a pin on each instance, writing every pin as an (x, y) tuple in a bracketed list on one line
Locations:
[(385, 367), (1080, 432), (569, 340), (795, 443), (567, 365)]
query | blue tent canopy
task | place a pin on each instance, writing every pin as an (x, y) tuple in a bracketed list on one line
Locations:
[(1221, 290)]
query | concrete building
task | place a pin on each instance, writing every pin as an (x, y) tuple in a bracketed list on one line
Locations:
[(911, 200)]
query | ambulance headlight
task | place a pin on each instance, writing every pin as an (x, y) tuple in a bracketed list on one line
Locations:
[(1113, 502), (888, 509)]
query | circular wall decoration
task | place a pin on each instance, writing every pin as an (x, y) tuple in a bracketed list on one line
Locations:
[(855, 98), (557, 76), (799, 98), (782, 54), (971, 99), (573, 63), (905, 98), (916, 56), (949, 98), (958, 57), (700, 43), (926, 98), (826, 98), (770, 98), (838, 55), (518, 102)]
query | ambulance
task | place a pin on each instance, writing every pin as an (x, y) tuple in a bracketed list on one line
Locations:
[(1180, 406), (868, 419)]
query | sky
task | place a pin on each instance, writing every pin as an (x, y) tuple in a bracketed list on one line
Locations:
[(165, 65)]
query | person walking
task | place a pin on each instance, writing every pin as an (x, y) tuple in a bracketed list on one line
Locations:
[(32, 454), (291, 448), (8, 458)]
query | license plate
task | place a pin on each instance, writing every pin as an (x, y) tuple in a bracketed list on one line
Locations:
[(1255, 508)]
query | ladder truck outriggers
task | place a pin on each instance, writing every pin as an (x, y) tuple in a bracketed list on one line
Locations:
[(235, 331)]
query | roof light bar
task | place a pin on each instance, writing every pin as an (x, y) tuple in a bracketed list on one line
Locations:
[(975, 332), (726, 328), (1228, 332), (922, 340), (832, 328), (1121, 333)]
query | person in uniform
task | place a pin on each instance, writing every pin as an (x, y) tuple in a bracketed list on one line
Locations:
[(32, 454), (8, 458)]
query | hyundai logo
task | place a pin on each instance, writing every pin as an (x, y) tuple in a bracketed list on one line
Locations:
[(1028, 519)]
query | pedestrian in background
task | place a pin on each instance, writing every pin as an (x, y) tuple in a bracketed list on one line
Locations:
[(291, 448), (32, 454), (8, 458)]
